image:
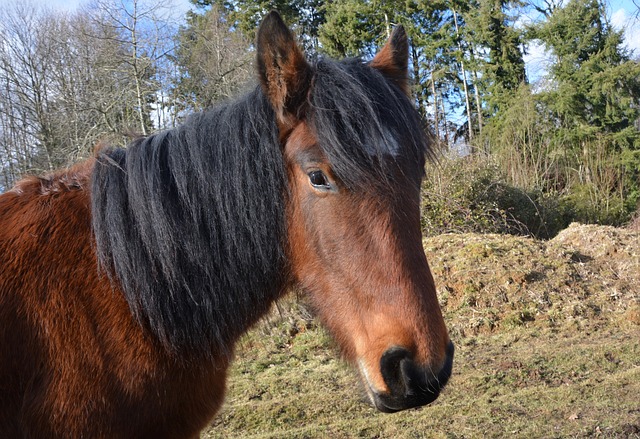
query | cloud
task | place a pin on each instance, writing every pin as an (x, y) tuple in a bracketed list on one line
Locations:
[(621, 20), (537, 61)]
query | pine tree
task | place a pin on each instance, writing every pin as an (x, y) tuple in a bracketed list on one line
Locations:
[(594, 99), (595, 84), (303, 16), (502, 70)]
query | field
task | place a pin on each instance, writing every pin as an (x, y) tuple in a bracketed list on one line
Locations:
[(547, 338)]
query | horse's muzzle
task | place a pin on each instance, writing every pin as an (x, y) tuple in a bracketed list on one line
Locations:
[(409, 384)]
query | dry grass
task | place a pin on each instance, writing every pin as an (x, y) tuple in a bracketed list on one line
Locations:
[(634, 224), (547, 337)]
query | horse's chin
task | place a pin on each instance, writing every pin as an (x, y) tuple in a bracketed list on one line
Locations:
[(384, 402)]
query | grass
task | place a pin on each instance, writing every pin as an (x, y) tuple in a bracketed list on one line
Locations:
[(547, 341)]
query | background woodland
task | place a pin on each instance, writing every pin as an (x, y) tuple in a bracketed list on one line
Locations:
[(522, 155)]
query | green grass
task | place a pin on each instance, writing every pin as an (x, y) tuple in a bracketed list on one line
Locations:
[(547, 345)]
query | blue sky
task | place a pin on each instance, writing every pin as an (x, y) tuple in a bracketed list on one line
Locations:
[(623, 16)]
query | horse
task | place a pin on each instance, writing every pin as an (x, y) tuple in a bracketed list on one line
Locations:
[(127, 279)]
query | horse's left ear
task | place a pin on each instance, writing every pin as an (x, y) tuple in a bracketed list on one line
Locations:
[(393, 59), (284, 72)]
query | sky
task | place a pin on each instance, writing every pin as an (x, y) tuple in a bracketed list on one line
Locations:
[(623, 16), (179, 6)]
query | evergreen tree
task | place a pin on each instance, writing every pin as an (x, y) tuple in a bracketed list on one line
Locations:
[(358, 28), (595, 84), (502, 70), (354, 28), (303, 16), (595, 101)]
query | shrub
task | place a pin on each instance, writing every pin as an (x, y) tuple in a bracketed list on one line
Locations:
[(634, 224), (471, 194), (590, 206)]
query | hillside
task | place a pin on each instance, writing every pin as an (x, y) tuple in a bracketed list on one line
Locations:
[(548, 345)]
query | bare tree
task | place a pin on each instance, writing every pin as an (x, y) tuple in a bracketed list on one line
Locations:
[(80, 85), (25, 62), (636, 13), (69, 81), (143, 31)]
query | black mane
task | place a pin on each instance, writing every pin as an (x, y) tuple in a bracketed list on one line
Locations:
[(190, 222)]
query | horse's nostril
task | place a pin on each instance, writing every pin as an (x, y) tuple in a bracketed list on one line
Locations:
[(392, 365), (409, 384)]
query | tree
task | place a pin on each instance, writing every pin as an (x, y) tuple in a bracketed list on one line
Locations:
[(503, 69), (354, 28), (214, 61), (357, 28), (70, 81), (595, 84), (303, 16), (28, 60), (141, 33), (595, 100), (576, 136)]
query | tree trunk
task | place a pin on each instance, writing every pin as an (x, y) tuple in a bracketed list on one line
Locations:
[(464, 79), (136, 69), (436, 122), (477, 93)]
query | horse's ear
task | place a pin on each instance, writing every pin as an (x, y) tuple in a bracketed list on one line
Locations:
[(393, 59), (284, 72)]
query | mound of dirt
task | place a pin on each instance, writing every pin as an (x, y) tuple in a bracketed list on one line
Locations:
[(588, 275)]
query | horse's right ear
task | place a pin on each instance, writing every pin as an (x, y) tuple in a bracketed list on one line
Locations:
[(393, 59), (284, 72)]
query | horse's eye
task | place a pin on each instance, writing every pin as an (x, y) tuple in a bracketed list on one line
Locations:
[(319, 180)]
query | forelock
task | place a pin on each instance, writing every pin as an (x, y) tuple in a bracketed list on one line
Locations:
[(363, 122)]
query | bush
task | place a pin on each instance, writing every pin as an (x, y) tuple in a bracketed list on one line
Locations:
[(634, 223), (590, 206), (470, 194)]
